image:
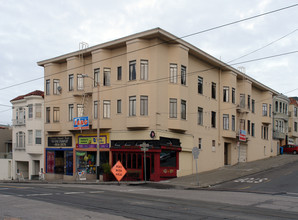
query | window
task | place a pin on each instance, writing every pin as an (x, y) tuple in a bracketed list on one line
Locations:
[(225, 94), (200, 116), (119, 106), (20, 116), (56, 83), (270, 110), (248, 101), (173, 108), (119, 73), (233, 123), (226, 122), (132, 70), (253, 129), (38, 137), (106, 108), (56, 115), (96, 76), (183, 75), (173, 73), (183, 109), (80, 81), (233, 95), (242, 124), (37, 110), (200, 143), (213, 145), (30, 111), (213, 90), (106, 77), (48, 84), (132, 105), (48, 113), (200, 85), (248, 127), (95, 109), (70, 82), (242, 100), (144, 70), (264, 131), (30, 137), (276, 106), (144, 105), (213, 119), (286, 109), (295, 111), (295, 126), (20, 140), (253, 106), (280, 107), (70, 112), (283, 108), (80, 110), (264, 109)]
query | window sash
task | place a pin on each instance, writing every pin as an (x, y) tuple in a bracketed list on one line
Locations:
[(200, 85), (80, 79), (107, 77), (233, 95), (132, 70), (183, 109), (213, 119), (55, 86), (173, 108), (264, 108), (56, 114), (119, 73), (144, 69), (48, 114), (70, 82), (30, 111), (80, 109), (106, 109), (38, 137), (30, 137), (226, 122), (119, 106), (37, 110), (144, 105), (173, 73), (213, 91), (183, 75), (226, 94), (96, 76), (132, 106), (200, 116), (70, 112), (48, 84)]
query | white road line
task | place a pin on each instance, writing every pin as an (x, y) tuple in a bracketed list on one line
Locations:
[(96, 192), (41, 194), (71, 193)]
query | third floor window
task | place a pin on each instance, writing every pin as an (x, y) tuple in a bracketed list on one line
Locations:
[(144, 70), (132, 70), (107, 77), (173, 73), (183, 75), (200, 85)]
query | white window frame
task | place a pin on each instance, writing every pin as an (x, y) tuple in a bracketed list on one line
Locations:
[(173, 73), (106, 76), (30, 137), (144, 70), (106, 109), (132, 105), (173, 108), (225, 121), (144, 105), (38, 137), (80, 82), (200, 116)]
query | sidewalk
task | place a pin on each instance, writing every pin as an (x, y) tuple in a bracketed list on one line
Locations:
[(228, 173)]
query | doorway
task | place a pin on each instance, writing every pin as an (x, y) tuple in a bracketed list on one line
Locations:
[(227, 154)]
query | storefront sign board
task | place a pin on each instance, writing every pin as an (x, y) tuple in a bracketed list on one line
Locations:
[(64, 141), (90, 141), (81, 123), (119, 171)]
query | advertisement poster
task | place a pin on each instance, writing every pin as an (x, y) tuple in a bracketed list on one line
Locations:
[(90, 141)]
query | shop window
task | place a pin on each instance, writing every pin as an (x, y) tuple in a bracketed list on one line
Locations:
[(139, 161), (129, 161), (134, 161), (168, 158), (86, 161)]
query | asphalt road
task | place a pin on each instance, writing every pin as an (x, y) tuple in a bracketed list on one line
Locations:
[(67, 201), (279, 180)]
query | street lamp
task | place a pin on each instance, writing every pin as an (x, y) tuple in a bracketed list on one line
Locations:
[(98, 129)]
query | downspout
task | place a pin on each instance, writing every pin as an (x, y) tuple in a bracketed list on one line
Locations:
[(219, 100)]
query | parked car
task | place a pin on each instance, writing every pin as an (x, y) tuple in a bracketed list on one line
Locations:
[(290, 148)]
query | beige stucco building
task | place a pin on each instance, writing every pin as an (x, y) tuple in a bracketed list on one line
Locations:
[(293, 121), (158, 89)]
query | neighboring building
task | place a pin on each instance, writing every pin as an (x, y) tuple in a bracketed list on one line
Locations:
[(5, 152), (158, 89), (27, 134), (293, 121), (280, 118)]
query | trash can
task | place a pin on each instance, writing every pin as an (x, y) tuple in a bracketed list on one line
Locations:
[(281, 150)]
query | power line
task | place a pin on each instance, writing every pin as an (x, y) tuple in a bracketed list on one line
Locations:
[(177, 38)]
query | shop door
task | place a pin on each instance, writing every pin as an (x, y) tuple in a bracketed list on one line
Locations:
[(226, 154), (148, 167), (69, 163)]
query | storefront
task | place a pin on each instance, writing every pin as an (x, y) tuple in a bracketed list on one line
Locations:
[(86, 151), (59, 155), (161, 161)]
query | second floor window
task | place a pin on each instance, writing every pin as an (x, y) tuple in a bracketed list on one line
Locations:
[(48, 114), (80, 80), (200, 116), (56, 114), (233, 123), (183, 109), (253, 106), (183, 75), (30, 111), (48, 84), (20, 139), (96, 77), (38, 137), (107, 77), (70, 82), (264, 109), (173, 108), (173, 73), (213, 119), (144, 70), (30, 137), (132, 70), (132, 106), (226, 122), (119, 73), (242, 100), (144, 105), (225, 94), (213, 90), (70, 112), (119, 103), (95, 110), (37, 110), (80, 110), (200, 85), (106, 108), (56, 84), (233, 95)]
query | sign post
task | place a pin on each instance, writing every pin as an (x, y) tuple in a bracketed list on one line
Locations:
[(196, 152), (145, 147), (119, 171)]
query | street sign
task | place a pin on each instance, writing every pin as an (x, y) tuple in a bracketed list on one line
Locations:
[(195, 152), (119, 171), (242, 135)]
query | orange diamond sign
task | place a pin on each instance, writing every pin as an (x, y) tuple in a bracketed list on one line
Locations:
[(119, 171)]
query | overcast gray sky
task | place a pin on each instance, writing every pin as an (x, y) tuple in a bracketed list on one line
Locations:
[(34, 30)]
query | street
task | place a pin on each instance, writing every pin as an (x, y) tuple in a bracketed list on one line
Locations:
[(76, 201)]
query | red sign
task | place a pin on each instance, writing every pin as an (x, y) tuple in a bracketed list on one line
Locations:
[(242, 135), (119, 171)]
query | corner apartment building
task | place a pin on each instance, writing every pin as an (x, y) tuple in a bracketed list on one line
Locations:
[(281, 118), (293, 121), (157, 89), (27, 135)]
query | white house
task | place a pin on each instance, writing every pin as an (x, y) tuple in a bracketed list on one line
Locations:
[(27, 135)]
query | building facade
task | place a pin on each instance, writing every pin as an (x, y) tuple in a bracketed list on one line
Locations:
[(152, 88), (5, 152), (281, 118), (27, 135), (293, 121)]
